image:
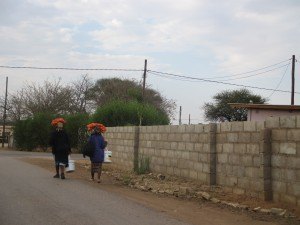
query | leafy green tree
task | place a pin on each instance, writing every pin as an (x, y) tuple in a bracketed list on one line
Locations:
[(121, 113), (33, 132), (221, 111), (107, 90), (74, 123)]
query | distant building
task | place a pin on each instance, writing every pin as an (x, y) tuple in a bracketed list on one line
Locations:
[(259, 112), (8, 131)]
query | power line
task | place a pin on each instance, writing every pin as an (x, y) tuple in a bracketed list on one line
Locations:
[(280, 80), (213, 81), (256, 74), (251, 71), (66, 68)]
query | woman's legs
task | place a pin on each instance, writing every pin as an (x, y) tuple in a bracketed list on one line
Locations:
[(62, 171), (99, 172)]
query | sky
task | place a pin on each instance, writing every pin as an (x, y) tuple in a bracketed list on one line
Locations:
[(222, 45)]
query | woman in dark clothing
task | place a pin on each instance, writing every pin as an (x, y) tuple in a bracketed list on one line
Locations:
[(99, 144), (59, 141)]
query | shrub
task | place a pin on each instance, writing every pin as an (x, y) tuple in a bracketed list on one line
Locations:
[(121, 113)]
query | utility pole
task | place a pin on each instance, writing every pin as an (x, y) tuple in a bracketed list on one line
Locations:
[(143, 91), (144, 79), (293, 80), (4, 114), (180, 109)]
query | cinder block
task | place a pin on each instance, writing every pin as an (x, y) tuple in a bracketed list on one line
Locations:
[(255, 137), (298, 121), (190, 128), (290, 176), (252, 149), (288, 148), (198, 166), (232, 137), (293, 189), (293, 163), (238, 191), (240, 148), (279, 135), (199, 128), (189, 146), (246, 160), (249, 126), (244, 137), (203, 157), (222, 158), (194, 137), (228, 148), (237, 126), (199, 147), (287, 121), (221, 138), (225, 127), (231, 181), (244, 183), (170, 170), (252, 172), (278, 161), (293, 135), (184, 173), (289, 199), (234, 159), (181, 146), (238, 171), (193, 174), (279, 187), (256, 161), (272, 122), (202, 177)]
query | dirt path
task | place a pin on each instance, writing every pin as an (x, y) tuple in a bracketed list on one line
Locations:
[(193, 211)]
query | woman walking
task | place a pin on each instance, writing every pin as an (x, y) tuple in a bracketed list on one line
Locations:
[(59, 141), (97, 140)]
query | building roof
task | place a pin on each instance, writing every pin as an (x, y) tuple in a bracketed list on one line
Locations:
[(264, 106)]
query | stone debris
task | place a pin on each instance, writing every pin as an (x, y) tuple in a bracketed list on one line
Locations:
[(215, 200), (256, 209), (276, 211), (153, 183), (267, 211)]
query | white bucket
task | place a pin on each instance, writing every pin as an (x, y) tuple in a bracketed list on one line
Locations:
[(71, 167), (107, 156)]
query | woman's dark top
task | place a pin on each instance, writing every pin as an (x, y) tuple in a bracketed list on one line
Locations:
[(60, 144), (99, 144)]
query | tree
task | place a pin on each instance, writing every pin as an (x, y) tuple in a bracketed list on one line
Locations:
[(220, 110), (106, 90), (121, 113), (49, 97), (80, 91)]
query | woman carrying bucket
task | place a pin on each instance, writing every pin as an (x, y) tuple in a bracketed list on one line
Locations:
[(99, 144), (59, 141)]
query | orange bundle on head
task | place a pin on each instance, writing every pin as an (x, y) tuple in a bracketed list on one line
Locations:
[(100, 127), (57, 120)]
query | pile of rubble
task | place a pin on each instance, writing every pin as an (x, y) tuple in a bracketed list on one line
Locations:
[(174, 186)]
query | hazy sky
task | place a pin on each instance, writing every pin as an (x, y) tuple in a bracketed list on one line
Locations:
[(213, 40)]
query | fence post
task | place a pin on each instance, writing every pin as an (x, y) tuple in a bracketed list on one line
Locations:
[(212, 153), (136, 148), (265, 165)]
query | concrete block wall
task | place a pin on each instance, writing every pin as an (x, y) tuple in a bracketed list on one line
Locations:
[(260, 159), (121, 141), (177, 150), (238, 157), (285, 158)]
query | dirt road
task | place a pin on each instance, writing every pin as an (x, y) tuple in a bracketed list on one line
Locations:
[(29, 195)]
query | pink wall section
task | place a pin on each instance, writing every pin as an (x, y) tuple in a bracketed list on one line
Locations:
[(262, 114)]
